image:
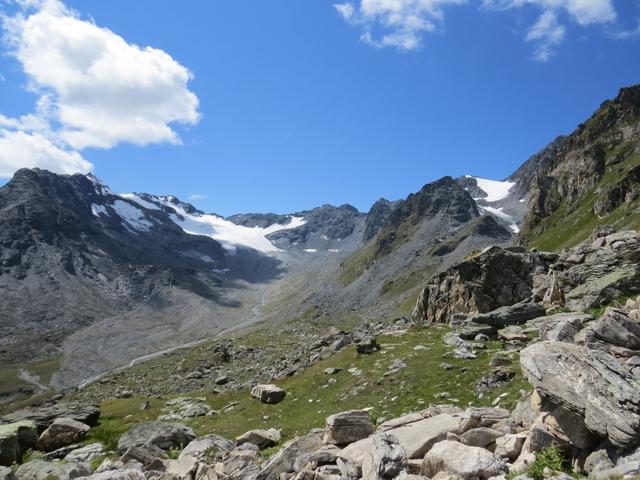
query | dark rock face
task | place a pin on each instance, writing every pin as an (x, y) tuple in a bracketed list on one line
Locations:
[(376, 218), (262, 220), (495, 278), (563, 172), (325, 222)]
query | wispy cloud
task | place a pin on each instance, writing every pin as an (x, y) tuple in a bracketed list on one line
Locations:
[(403, 24), (95, 89), (197, 196)]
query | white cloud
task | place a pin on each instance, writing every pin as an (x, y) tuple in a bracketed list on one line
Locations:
[(95, 89), (197, 196), (20, 149), (547, 33), (403, 23)]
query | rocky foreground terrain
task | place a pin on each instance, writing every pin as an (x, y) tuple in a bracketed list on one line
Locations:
[(567, 367)]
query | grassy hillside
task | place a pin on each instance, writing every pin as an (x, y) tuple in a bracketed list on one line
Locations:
[(312, 395)]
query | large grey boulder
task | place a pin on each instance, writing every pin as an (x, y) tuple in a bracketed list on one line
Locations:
[(416, 438), (45, 470), (386, 459), (589, 383), (603, 287), (125, 474), (262, 438), (145, 454), (561, 327), (15, 439), (515, 314), (348, 427), (510, 445), (614, 328), (480, 437), (7, 474), (268, 393), (205, 449), (85, 454), (163, 435), (283, 461), (463, 461), (62, 432), (44, 415)]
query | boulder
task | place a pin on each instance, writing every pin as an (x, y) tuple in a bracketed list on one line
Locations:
[(85, 454), (509, 446), (386, 459), (416, 438), (163, 435), (515, 314), (463, 461), (614, 328), (62, 432), (125, 474), (44, 415), (348, 427), (262, 438), (589, 383), (602, 287), (268, 393), (145, 454), (7, 474), (476, 417), (283, 460), (480, 437), (15, 439), (184, 468), (204, 449), (45, 470), (561, 327), (367, 345), (512, 333), (325, 455)]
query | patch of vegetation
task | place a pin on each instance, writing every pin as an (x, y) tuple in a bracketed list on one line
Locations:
[(619, 302), (356, 264), (12, 384), (313, 395), (571, 224), (396, 286), (551, 458)]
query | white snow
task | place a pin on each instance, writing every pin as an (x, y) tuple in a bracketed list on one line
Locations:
[(522, 200), (100, 188), (498, 213), (227, 233), (311, 250), (334, 250), (99, 210), (504, 216), (133, 216), (494, 189), (143, 203)]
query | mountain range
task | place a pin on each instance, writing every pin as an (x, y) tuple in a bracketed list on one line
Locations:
[(91, 280)]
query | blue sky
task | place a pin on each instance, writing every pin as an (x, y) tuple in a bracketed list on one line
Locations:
[(283, 105)]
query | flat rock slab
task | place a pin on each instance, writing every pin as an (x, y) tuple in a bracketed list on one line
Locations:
[(590, 383), (44, 415), (416, 438)]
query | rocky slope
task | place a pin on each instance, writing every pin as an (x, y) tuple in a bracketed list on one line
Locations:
[(587, 178)]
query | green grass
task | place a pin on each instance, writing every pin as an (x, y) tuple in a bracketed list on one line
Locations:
[(312, 395), (552, 458), (11, 383)]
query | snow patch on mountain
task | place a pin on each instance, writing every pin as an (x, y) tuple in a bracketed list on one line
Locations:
[(494, 189), (133, 217), (98, 210), (140, 201), (227, 233), (497, 212)]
